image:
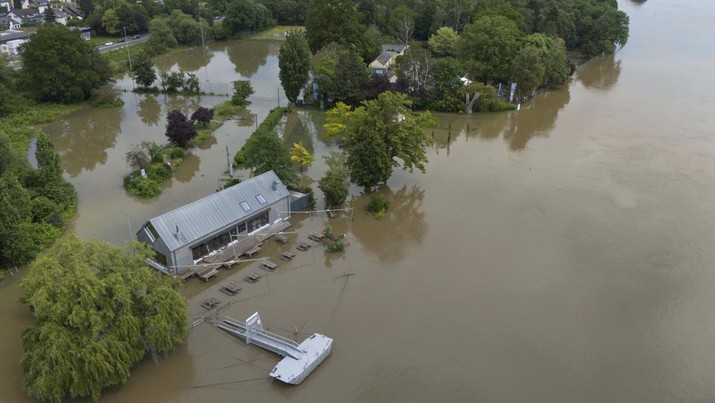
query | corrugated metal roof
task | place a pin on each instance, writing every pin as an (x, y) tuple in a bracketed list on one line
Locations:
[(204, 216)]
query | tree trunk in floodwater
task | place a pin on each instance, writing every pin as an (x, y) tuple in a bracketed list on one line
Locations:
[(469, 103)]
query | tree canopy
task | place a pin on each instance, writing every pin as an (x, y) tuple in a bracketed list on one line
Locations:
[(179, 129), (380, 135), (98, 311), (294, 64), (58, 66)]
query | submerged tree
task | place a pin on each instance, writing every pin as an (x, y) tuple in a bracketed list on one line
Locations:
[(179, 129), (334, 186), (294, 64), (265, 151), (203, 115), (242, 89), (144, 72), (380, 135), (98, 310), (301, 156)]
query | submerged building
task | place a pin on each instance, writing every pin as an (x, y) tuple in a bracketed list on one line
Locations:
[(183, 237)]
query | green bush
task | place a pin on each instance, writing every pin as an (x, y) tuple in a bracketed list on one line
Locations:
[(158, 173), (378, 203), (337, 245), (142, 187), (176, 153), (239, 158)]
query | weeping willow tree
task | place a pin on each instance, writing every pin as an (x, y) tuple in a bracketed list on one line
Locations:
[(98, 311)]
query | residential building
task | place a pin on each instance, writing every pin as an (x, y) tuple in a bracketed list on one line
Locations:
[(10, 42), (387, 58)]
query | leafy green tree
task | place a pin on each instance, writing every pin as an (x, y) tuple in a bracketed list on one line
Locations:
[(173, 82), (15, 244), (444, 42), (17, 4), (87, 7), (144, 72), (294, 64), (600, 28), (49, 16), (186, 29), (265, 151), (161, 36), (552, 53), (351, 76), (379, 135), (242, 89), (479, 95), (110, 21), (338, 21), (334, 186), (179, 129), (58, 66), (528, 70), (445, 94), (489, 46), (98, 310), (246, 16)]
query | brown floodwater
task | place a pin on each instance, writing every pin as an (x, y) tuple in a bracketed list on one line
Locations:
[(563, 252)]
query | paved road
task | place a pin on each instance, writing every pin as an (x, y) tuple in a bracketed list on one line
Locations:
[(117, 45)]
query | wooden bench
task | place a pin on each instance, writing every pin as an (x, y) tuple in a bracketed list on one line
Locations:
[(252, 251), (281, 238), (207, 273), (252, 278)]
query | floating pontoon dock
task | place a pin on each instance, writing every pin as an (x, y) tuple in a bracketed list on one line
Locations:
[(299, 359)]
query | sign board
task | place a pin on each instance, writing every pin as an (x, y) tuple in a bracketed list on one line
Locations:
[(511, 94)]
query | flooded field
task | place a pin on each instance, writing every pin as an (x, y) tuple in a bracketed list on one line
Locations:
[(563, 252)]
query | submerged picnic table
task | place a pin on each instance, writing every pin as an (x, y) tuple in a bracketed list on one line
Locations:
[(287, 255), (253, 277), (210, 303), (229, 289), (267, 265)]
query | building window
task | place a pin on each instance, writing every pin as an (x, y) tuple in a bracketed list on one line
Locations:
[(242, 227), (261, 199), (160, 258), (152, 230), (257, 222), (245, 206)]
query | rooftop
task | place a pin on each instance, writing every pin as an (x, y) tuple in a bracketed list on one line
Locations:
[(202, 217)]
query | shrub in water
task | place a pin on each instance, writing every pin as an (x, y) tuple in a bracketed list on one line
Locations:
[(378, 203), (177, 152)]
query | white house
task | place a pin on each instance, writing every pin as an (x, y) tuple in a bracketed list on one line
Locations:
[(387, 58)]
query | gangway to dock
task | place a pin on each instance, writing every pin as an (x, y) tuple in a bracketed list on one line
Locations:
[(300, 359)]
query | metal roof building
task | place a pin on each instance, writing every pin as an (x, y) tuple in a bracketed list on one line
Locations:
[(184, 236)]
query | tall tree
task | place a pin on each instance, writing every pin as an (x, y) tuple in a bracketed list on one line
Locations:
[(144, 72), (444, 42), (265, 151), (351, 76), (294, 64), (98, 310), (338, 21), (242, 89), (246, 16), (489, 46), (379, 135), (335, 186), (403, 23), (528, 70), (49, 16), (58, 66)]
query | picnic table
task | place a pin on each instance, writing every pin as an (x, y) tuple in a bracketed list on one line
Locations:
[(229, 289), (287, 255), (267, 265), (209, 303), (281, 238), (253, 277)]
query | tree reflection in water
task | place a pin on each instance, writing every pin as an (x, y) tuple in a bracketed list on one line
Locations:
[(83, 138), (188, 168), (601, 74), (149, 110), (402, 228)]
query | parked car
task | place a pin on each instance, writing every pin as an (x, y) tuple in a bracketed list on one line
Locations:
[(121, 40), (109, 44), (136, 36)]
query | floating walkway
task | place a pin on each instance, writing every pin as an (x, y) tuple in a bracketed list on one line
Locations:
[(300, 359)]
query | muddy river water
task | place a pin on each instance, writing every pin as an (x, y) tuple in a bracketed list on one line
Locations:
[(564, 252)]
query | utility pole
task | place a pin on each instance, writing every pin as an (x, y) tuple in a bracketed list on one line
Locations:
[(230, 166), (126, 45)]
